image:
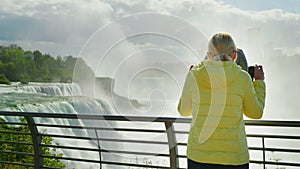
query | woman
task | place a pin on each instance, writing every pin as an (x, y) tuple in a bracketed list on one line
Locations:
[(217, 93)]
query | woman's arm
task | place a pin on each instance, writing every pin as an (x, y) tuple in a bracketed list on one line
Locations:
[(185, 102), (255, 95)]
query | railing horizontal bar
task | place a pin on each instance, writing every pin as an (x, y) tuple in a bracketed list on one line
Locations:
[(256, 148), (136, 153), (182, 144), (182, 132), (134, 130), (134, 141), (105, 139), (97, 117), (274, 136), (256, 161), (275, 163), (258, 135), (181, 156), (276, 149), (101, 128), (251, 135), (272, 123), (14, 142), (47, 167), (13, 123), (16, 152), (139, 118), (104, 150), (15, 163), (70, 137), (14, 132)]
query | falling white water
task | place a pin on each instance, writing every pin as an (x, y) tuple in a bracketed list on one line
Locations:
[(58, 98), (51, 89)]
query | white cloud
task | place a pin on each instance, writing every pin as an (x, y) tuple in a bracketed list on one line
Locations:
[(275, 14), (211, 17), (72, 22), (64, 24), (27, 7)]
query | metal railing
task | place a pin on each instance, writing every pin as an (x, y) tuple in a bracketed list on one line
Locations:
[(136, 142)]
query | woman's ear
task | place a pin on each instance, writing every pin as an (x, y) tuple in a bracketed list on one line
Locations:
[(234, 56), (208, 55)]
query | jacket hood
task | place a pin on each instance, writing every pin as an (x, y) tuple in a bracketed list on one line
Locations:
[(216, 74)]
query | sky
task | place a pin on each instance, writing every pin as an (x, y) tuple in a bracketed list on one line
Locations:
[(259, 5), (137, 36), (61, 27)]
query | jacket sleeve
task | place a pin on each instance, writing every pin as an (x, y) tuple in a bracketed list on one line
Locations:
[(185, 102), (254, 99)]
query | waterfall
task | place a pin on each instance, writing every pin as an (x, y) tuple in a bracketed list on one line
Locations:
[(51, 89), (58, 98), (66, 98)]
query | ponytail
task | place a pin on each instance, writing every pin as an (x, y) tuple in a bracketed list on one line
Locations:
[(222, 57), (221, 47)]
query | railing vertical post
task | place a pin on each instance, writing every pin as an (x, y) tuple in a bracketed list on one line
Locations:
[(172, 145), (99, 148), (36, 140), (264, 152)]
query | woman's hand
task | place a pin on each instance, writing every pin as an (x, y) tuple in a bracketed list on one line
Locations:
[(259, 72)]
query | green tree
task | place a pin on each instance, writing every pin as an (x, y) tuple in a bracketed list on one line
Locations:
[(2, 67), (10, 72), (25, 66), (3, 79), (20, 158)]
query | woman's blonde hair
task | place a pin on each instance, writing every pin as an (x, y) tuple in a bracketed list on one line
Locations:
[(221, 47)]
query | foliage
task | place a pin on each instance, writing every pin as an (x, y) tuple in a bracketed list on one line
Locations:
[(27, 66), (3, 79), (20, 158)]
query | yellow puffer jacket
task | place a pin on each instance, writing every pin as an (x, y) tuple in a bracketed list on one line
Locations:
[(217, 94)]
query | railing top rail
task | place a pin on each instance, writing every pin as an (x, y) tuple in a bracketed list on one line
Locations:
[(97, 117), (141, 118), (273, 123)]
